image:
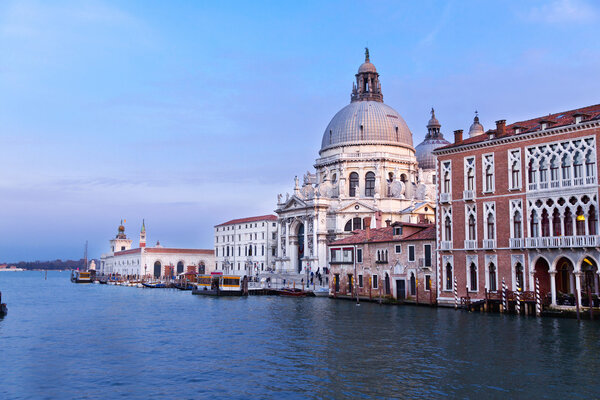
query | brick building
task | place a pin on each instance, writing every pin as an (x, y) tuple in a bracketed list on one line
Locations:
[(393, 262), (520, 202)]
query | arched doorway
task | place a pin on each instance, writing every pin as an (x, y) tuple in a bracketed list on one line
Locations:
[(387, 283), (589, 277), (180, 267), (565, 280), (413, 284), (157, 269), (541, 268), (300, 246)]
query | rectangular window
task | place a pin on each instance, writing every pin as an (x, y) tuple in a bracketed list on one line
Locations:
[(347, 255), (336, 255), (360, 281), (375, 282), (359, 255), (274, 235), (427, 249), (427, 282), (411, 253), (273, 251), (398, 249)]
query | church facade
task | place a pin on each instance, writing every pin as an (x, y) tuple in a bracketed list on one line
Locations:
[(367, 170)]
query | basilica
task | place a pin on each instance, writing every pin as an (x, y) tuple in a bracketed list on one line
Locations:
[(367, 172)]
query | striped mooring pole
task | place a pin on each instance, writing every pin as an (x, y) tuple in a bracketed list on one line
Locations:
[(504, 296), (455, 293), (518, 305), (538, 300)]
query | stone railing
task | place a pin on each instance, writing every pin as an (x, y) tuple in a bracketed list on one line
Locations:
[(563, 241), (446, 245), (470, 244), (445, 197), (468, 195), (489, 243), (516, 243)]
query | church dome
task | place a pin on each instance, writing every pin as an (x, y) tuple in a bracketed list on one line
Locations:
[(433, 140), (366, 122), (367, 67), (476, 128)]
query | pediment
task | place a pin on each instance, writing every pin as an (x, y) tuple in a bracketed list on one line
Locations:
[(293, 203), (357, 206)]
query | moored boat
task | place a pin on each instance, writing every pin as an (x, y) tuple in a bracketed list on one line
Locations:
[(218, 284), (154, 285), (81, 277), (3, 308)]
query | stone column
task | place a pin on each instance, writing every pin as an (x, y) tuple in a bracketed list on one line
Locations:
[(314, 234), (553, 286), (278, 239), (596, 282), (287, 238), (578, 286), (562, 225), (305, 222)]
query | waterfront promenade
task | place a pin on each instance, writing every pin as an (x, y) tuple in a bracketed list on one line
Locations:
[(62, 340)]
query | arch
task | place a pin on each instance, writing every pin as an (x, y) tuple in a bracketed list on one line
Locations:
[(519, 276), (387, 284), (300, 241), (473, 277), (448, 276), (541, 271), (492, 277), (565, 282), (589, 275), (157, 269), (179, 267)]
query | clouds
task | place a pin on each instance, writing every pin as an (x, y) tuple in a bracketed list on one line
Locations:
[(562, 11)]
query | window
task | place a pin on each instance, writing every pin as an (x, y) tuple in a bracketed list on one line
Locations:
[(472, 228), (375, 282), (398, 249), (446, 182), (488, 173), (413, 284), (411, 253), (514, 159), (353, 184), (370, 184), (360, 281), (448, 229), (353, 224), (490, 226), (427, 282), (470, 173), (263, 250), (517, 225), (397, 230), (427, 249), (448, 276), (519, 276), (359, 255), (473, 277), (273, 250), (492, 277)]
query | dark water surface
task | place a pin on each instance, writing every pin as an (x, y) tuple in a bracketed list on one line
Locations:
[(62, 340)]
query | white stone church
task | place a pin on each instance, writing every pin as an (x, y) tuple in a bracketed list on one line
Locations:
[(367, 167)]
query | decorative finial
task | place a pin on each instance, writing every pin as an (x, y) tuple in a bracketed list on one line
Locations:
[(367, 54), (143, 226), (432, 113), (476, 119)]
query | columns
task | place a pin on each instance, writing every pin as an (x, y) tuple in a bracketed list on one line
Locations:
[(553, 286), (278, 239), (305, 237), (578, 287), (314, 233), (287, 238), (596, 277)]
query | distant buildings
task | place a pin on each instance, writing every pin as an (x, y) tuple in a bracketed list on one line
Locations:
[(246, 246), (519, 204), (397, 262), (156, 261), (367, 170)]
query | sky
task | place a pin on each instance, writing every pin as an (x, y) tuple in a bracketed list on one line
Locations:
[(189, 113)]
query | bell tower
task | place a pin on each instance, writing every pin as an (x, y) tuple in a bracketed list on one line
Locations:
[(367, 86), (120, 242), (143, 235)]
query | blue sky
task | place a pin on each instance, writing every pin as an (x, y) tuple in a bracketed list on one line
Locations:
[(190, 113)]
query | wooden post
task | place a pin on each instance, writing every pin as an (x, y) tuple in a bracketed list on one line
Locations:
[(577, 305), (589, 291)]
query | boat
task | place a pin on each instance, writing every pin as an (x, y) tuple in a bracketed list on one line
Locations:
[(321, 292), (293, 292), (3, 310), (183, 285), (154, 285), (218, 284), (81, 277)]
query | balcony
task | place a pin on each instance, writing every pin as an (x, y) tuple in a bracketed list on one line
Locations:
[(470, 244), (468, 195), (446, 245), (445, 198), (516, 243), (563, 242), (489, 243), (533, 186), (590, 180)]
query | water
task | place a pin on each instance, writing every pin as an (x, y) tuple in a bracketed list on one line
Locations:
[(62, 340)]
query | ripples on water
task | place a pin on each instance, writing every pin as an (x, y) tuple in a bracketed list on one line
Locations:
[(62, 340)]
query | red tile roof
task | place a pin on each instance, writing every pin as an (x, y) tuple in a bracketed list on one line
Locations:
[(564, 118), (381, 235), (171, 250), (249, 219)]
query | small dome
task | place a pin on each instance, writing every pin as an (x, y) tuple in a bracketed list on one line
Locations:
[(366, 122), (476, 128), (424, 150), (367, 67), (121, 228)]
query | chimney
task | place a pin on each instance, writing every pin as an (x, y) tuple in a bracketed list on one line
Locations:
[(458, 136), (378, 219), (500, 127), (388, 222), (368, 227)]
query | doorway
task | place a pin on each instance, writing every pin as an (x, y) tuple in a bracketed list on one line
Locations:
[(400, 289)]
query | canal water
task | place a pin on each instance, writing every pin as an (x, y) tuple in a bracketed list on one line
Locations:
[(66, 341)]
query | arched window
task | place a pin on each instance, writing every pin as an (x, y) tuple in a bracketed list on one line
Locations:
[(448, 229), (471, 179), (353, 224), (532, 171), (590, 164), (492, 277), (413, 284), (517, 225), (348, 227), (568, 222), (577, 166), (534, 224), (580, 222), (446, 182), (543, 173), (448, 276), (489, 178), (472, 228), (490, 226), (566, 168), (516, 174), (353, 184), (519, 275), (592, 220), (556, 223), (545, 223), (370, 184), (473, 276)]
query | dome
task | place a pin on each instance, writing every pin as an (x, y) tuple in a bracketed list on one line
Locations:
[(424, 150), (366, 122), (476, 128), (367, 67)]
